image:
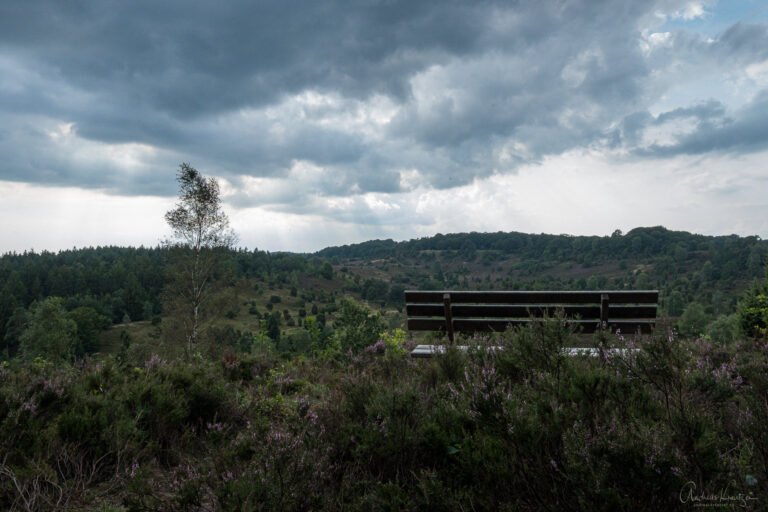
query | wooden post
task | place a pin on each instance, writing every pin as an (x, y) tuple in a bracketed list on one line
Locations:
[(603, 310), (448, 316)]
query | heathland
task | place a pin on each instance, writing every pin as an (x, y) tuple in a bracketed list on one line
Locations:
[(297, 392)]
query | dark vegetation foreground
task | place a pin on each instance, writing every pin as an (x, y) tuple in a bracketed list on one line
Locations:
[(680, 423)]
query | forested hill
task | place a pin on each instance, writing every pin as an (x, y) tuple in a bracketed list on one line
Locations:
[(733, 253), (125, 284), (121, 283), (713, 271)]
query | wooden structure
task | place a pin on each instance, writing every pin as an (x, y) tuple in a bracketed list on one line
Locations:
[(452, 312)]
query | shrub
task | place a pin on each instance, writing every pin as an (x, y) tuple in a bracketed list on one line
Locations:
[(50, 333), (257, 431), (356, 326), (395, 343), (724, 330), (753, 312), (694, 320)]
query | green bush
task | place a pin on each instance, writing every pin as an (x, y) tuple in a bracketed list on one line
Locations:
[(50, 333), (724, 330), (753, 312), (356, 326), (523, 428)]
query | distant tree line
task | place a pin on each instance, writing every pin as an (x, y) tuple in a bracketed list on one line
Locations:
[(686, 268), (702, 279), (730, 256)]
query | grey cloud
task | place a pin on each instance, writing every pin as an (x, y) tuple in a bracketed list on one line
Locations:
[(30, 156), (511, 83), (632, 128), (325, 146), (164, 73), (193, 58), (744, 40), (739, 45), (747, 130), (358, 212), (551, 93), (704, 111)]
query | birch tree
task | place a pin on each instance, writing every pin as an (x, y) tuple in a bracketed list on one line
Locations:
[(201, 234)]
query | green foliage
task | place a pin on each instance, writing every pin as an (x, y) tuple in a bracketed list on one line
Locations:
[(273, 326), (251, 431), (201, 239), (326, 431), (50, 333), (675, 304), (694, 320), (8, 304), (326, 271), (684, 267), (374, 290), (395, 343), (198, 220), (89, 324), (316, 332), (753, 312), (724, 330), (396, 295), (14, 328), (118, 281), (261, 343), (356, 326)]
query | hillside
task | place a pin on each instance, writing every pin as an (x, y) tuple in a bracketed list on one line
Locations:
[(711, 270), (276, 292), (297, 396)]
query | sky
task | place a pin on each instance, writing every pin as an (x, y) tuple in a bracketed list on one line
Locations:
[(340, 121)]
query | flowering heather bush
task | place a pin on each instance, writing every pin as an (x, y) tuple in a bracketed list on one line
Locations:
[(377, 348), (523, 428)]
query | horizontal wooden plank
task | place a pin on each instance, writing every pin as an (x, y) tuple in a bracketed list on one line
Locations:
[(426, 324), (625, 312), (627, 326), (532, 297), (586, 326), (494, 311)]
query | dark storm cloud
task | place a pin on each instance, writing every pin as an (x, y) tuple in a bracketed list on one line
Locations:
[(189, 59), (474, 88), (162, 73)]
